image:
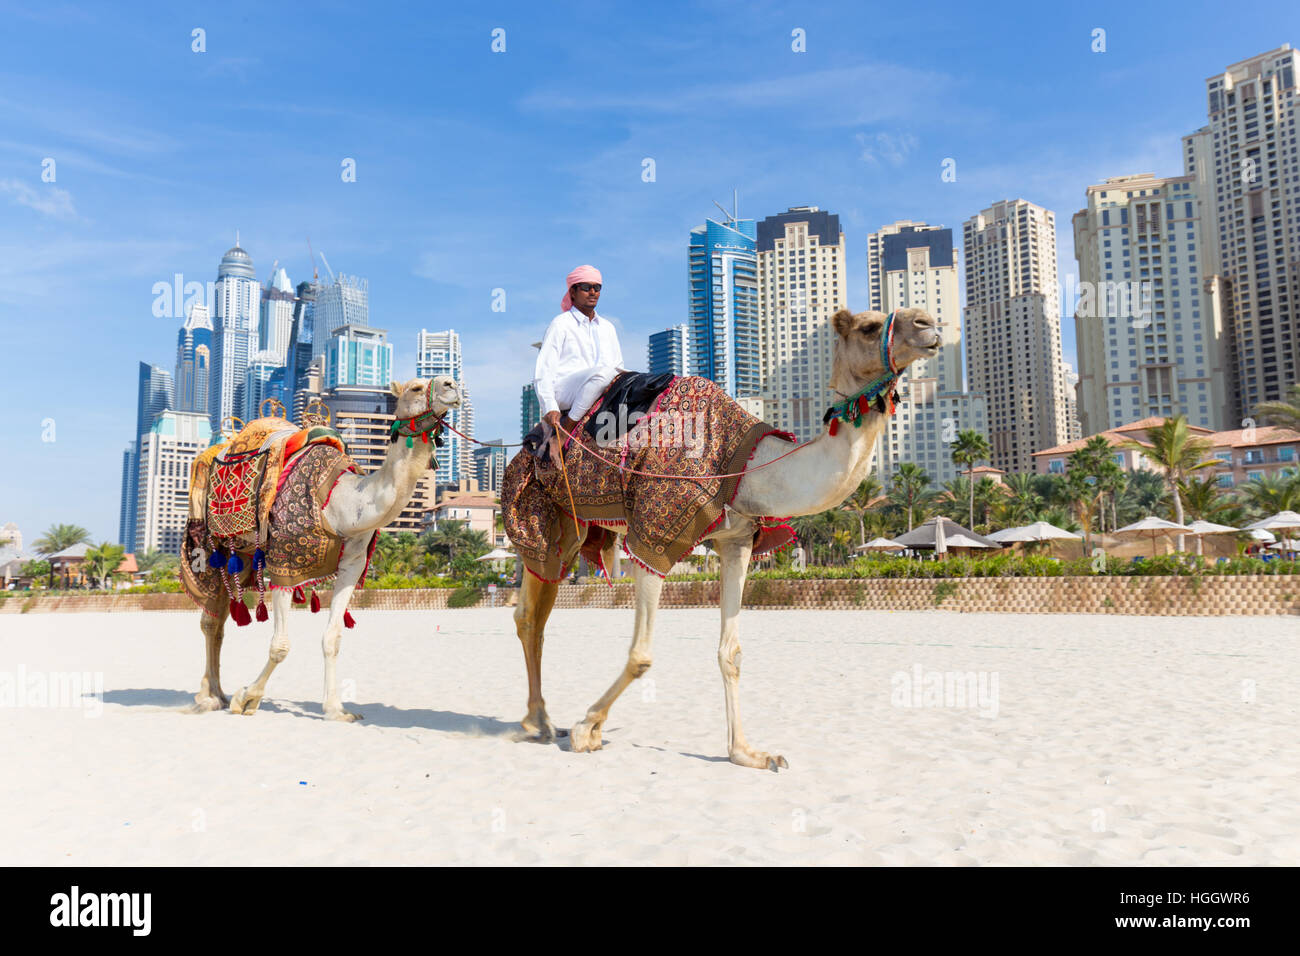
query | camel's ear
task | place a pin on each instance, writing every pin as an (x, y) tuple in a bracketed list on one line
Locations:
[(396, 389), (843, 321)]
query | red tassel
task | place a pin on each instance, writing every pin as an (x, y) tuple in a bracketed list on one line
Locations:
[(298, 596), (239, 611), (261, 611), (315, 602), (347, 619), (864, 405), (835, 426)]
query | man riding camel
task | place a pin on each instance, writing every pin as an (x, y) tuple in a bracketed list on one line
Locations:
[(579, 359)]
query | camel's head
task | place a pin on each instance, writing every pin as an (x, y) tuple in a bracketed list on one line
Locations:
[(860, 354), (417, 396)]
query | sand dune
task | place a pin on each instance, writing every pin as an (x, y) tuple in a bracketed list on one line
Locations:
[(1116, 740)]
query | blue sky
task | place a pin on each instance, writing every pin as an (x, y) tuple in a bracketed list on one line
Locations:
[(479, 170)]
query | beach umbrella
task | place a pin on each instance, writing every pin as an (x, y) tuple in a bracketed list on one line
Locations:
[(1286, 544), (928, 536), (881, 544), (496, 554), (1038, 531), (1153, 527), (1259, 534), (1201, 527), (1282, 521), (940, 538)]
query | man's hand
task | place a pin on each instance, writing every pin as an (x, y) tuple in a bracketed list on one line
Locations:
[(553, 419)]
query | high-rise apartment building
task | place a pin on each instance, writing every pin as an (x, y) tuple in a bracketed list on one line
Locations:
[(358, 356), (490, 465), (275, 325), (126, 500), (194, 360), (1073, 430), (802, 283), (299, 357), (912, 265), (155, 393), (668, 351), (1013, 329), (234, 336), (1249, 154), (530, 410), (438, 353), (723, 305), (167, 450), (263, 379), (1149, 338), (345, 301)]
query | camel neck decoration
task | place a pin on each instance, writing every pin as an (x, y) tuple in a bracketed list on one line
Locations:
[(879, 391)]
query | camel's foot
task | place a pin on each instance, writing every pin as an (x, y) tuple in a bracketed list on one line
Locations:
[(338, 713), (205, 703), (758, 760), (585, 735), (245, 703), (538, 728)]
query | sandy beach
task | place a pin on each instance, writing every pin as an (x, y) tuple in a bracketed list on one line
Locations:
[(1086, 740)]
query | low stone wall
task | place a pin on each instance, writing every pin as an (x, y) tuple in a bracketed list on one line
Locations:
[(1208, 595)]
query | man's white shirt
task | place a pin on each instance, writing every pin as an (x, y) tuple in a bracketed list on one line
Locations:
[(573, 343)]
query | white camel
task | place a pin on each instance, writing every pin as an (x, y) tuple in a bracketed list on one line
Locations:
[(358, 506), (819, 475)]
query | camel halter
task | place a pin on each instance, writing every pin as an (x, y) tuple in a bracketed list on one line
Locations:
[(879, 391), (424, 424)]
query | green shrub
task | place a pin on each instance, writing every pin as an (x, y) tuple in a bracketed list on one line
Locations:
[(464, 597)]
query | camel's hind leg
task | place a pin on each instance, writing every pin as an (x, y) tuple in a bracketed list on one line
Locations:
[(352, 564), (585, 734), (210, 696), (536, 598), (247, 699), (734, 554)]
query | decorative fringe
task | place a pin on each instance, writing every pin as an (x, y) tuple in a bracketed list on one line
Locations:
[(347, 619), (315, 602), (261, 611), (298, 596), (835, 426)]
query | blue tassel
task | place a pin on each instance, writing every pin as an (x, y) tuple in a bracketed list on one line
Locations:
[(215, 560), (234, 565), (259, 559)]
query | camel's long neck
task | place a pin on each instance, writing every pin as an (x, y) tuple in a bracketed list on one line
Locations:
[(819, 475), (381, 495)]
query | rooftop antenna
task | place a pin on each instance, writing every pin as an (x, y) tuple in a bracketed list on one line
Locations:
[(315, 276), (734, 215)]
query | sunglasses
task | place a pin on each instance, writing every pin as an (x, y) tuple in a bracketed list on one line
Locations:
[(587, 286)]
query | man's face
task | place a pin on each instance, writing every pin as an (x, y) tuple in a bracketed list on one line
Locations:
[(585, 300)]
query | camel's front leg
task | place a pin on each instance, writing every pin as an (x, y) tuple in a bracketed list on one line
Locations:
[(536, 598), (210, 696), (585, 734), (734, 555), (248, 699), (351, 564)]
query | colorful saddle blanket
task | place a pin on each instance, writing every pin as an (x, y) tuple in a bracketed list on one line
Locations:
[(693, 432)]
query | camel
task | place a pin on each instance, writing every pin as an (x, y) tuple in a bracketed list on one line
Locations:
[(358, 506), (818, 475)]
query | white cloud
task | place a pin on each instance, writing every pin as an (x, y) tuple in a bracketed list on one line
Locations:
[(48, 199), (886, 147)]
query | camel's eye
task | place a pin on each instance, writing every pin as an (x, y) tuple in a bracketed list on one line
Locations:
[(870, 329), (417, 388)]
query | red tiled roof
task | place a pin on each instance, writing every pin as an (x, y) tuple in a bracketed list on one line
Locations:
[(1264, 435)]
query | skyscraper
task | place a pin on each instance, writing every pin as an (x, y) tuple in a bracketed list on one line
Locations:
[(1013, 329), (358, 356), (167, 450), (1256, 193), (234, 333), (802, 282), (723, 303), (194, 360), (155, 393), (668, 351), (275, 324), (345, 301), (530, 410), (263, 379), (299, 356), (438, 353), (911, 265), (1149, 338)]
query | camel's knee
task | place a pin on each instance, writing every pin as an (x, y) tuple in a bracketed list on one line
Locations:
[(638, 664), (729, 660), (330, 642), (279, 650)]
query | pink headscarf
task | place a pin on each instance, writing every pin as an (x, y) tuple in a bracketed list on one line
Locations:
[(580, 274)]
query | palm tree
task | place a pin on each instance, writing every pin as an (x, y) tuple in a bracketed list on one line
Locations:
[(1179, 454), (1202, 499), (1285, 412), (969, 448), (1022, 501), (102, 562), (1271, 493), (1111, 480), (988, 494), (909, 489), (60, 536), (860, 502)]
